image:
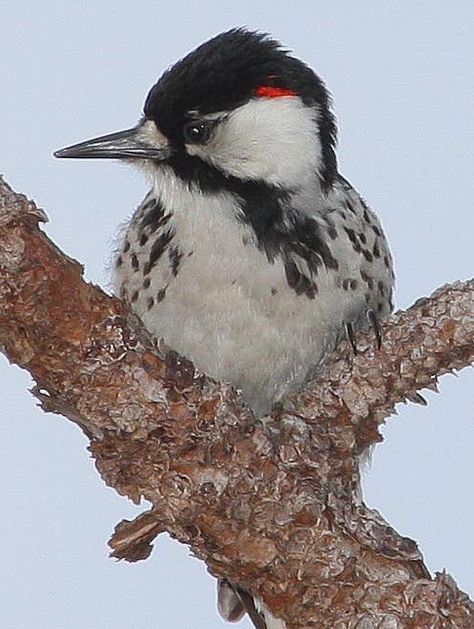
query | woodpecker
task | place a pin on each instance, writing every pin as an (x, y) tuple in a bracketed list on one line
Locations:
[(250, 255)]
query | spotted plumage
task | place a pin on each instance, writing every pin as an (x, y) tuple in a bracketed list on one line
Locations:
[(251, 255), (272, 337)]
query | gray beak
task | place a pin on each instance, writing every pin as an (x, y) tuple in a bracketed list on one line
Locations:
[(131, 143)]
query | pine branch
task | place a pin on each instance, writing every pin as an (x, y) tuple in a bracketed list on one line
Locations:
[(270, 505)]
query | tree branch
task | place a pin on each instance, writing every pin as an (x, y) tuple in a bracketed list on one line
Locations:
[(270, 505)]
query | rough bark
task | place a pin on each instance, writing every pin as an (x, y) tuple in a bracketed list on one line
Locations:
[(270, 505)]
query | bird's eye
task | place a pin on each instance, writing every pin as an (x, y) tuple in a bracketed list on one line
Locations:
[(197, 132)]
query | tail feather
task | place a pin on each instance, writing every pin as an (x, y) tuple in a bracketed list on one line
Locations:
[(233, 603)]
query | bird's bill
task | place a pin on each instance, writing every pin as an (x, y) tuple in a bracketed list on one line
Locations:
[(131, 143)]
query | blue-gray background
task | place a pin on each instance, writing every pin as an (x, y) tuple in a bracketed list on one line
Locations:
[(402, 78)]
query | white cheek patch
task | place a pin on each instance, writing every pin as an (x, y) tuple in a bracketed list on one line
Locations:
[(275, 139)]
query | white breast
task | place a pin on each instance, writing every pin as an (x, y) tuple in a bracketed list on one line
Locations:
[(229, 309)]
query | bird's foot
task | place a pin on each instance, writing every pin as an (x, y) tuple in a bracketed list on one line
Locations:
[(375, 324), (350, 334)]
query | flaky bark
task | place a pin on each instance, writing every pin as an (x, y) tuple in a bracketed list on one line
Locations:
[(269, 505)]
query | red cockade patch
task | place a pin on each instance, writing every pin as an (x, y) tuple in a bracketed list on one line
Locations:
[(268, 91)]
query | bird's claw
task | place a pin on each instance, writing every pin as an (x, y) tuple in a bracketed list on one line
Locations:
[(350, 334), (374, 322)]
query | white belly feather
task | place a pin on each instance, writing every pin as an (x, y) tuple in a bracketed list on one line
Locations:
[(229, 309)]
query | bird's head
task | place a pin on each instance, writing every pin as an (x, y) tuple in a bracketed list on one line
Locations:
[(238, 108)]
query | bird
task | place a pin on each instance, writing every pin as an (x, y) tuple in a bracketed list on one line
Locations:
[(251, 254)]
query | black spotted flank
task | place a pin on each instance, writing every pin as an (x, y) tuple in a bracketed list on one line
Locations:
[(157, 249), (351, 234), (174, 256), (349, 283), (331, 229), (161, 294), (376, 230), (153, 215), (350, 207), (367, 255), (298, 281)]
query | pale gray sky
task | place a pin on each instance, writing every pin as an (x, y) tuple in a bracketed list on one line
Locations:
[(402, 78)]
